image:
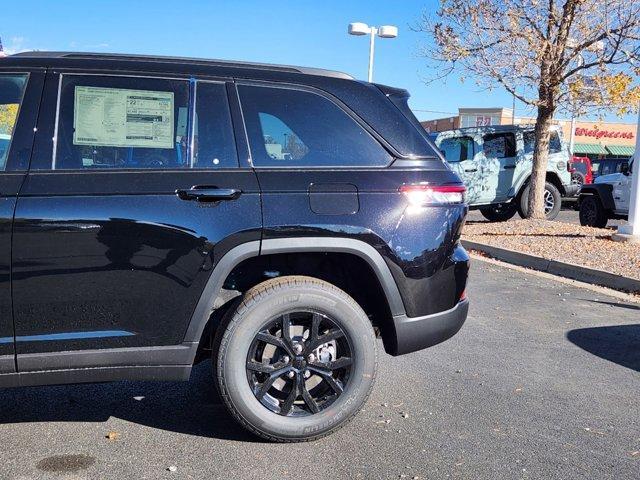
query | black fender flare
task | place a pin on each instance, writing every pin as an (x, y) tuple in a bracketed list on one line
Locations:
[(233, 257), (603, 191)]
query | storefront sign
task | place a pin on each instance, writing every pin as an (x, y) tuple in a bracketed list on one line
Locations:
[(483, 121), (597, 133)]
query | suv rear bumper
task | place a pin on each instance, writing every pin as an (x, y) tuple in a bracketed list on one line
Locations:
[(416, 333)]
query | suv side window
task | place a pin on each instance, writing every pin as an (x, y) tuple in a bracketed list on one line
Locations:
[(11, 92), (121, 122), (296, 128), (213, 140), (529, 139), (499, 145), (555, 145), (457, 149)]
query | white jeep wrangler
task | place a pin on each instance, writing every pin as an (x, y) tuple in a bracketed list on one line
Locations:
[(495, 164), (608, 197)]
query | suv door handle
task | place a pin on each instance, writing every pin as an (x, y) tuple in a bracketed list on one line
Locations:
[(208, 194), (470, 169)]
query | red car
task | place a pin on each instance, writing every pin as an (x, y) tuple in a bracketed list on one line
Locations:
[(580, 168)]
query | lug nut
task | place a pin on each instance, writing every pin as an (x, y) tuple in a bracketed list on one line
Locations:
[(297, 349), (286, 359), (291, 374), (311, 358), (307, 374)]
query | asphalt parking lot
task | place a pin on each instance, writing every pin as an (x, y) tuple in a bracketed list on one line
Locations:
[(542, 382)]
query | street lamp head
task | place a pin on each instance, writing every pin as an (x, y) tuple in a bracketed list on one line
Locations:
[(359, 28), (388, 31)]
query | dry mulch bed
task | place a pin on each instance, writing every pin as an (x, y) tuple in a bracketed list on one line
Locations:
[(586, 246)]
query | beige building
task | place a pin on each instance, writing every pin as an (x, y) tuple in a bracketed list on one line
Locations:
[(591, 138)]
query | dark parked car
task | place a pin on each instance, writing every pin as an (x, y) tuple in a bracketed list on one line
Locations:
[(158, 212)]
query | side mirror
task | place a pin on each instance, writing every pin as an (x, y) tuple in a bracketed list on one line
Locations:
[(624, 168)]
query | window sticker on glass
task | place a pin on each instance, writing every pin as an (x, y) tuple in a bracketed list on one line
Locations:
[(114, 117)]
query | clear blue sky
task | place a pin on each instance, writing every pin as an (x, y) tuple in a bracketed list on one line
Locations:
[(308, 33)]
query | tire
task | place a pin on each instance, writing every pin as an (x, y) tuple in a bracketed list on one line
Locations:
[(552, 195), (263, 406), (499, 213), (592, 213), (577, 178)]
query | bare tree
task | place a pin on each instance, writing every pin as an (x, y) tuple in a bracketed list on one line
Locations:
[(548, 54)]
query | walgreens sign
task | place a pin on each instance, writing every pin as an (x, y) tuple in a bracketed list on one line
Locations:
[(595, 132)]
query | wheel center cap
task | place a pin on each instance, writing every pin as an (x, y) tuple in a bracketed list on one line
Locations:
[(299, 363)]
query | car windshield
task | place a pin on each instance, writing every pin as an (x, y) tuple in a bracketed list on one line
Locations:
[(580, 167)]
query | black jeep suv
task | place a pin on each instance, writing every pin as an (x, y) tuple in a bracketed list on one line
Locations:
[(157, 212)]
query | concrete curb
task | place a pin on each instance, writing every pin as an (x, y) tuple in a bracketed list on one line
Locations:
[(554, 267)]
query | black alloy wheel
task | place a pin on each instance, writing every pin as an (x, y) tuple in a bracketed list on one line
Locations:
[(577, 178), (299, 364)]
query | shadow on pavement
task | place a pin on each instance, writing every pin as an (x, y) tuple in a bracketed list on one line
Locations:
[(619, 305), (619, 344), (192, 408)]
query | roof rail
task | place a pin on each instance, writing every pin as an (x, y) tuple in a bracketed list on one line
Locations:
[(189, 60)]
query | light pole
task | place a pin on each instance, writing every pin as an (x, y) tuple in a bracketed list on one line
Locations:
[(386, 31), (631, 231)]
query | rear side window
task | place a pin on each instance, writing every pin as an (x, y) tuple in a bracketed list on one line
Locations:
[(122, 122), (499, 145), (529, 138), (213, 140), (11, 92), (457, 149), (296, 128)]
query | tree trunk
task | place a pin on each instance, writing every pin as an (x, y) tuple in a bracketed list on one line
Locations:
[(540, 160)]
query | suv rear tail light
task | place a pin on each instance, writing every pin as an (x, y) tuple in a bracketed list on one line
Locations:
[(424, 195)]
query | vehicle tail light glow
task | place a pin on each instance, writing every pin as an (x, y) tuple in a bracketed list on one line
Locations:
[(425, 195)]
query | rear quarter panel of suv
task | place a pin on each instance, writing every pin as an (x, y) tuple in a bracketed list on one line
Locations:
[(417, 245)]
